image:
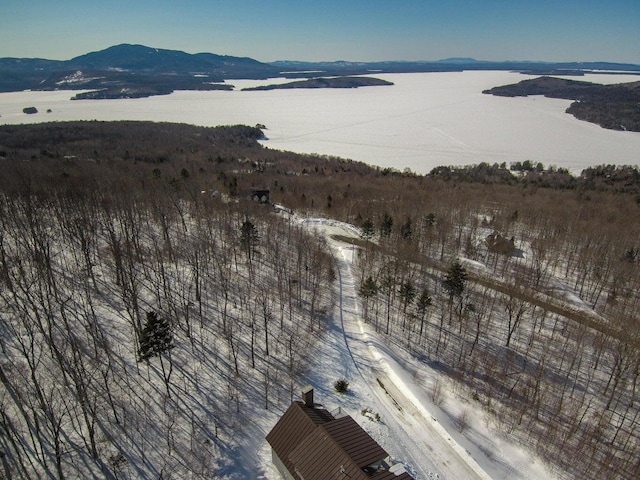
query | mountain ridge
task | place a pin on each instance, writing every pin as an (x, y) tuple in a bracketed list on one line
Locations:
[(133, 70), (127, 70)]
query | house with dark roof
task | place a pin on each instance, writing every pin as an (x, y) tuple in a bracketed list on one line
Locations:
[(309, 443), (260, 196)]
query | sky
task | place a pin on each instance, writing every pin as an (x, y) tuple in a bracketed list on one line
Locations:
[(330, 30)]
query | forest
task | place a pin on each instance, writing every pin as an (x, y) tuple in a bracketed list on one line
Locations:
[(136, 272), (614, 107), (337, 82)]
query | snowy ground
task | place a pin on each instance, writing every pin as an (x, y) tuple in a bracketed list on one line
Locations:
[(417, 433)]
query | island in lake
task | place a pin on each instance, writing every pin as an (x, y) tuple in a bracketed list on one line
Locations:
[(334, 82)]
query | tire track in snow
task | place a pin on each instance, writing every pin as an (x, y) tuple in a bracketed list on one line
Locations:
[(425, 444), (442, 451), (416, 463)]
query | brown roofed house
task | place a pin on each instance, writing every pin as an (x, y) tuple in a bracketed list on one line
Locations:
[(309, 443)]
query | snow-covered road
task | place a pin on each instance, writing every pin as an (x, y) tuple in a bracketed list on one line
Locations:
[(380, 381), (424, 444)]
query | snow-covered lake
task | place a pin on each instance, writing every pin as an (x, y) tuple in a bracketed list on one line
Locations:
[(423, 121)]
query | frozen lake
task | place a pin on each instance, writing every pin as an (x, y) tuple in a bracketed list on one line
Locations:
[(423, 121)]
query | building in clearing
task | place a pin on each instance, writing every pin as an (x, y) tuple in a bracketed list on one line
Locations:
[(309, 443)]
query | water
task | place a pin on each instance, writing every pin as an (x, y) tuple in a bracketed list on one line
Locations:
[(423, 121)]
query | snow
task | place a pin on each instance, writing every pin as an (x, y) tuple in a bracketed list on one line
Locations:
[(388, 384), (424, 120), (77, 78)]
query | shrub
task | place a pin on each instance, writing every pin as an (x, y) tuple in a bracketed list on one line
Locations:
[(341, 386), (371, 415)]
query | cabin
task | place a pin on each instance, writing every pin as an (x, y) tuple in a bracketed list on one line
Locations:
[(496, 243), (260, 196), (309, 443)]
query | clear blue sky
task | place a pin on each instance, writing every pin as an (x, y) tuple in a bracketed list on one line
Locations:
[(357, 30)]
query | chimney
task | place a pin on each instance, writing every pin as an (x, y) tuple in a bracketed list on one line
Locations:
[(307, 396)]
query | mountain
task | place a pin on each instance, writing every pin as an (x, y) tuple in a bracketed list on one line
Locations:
[(462, 60), (124, 71), (139, 57)]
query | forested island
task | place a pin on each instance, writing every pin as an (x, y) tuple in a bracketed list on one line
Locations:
[(518, 282), (334, 82), (141, 88), (616, 107)]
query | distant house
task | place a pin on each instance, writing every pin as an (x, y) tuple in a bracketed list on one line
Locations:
[(260, 196), (309, 443), (496, 243)]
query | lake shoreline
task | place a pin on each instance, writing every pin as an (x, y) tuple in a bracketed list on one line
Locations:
[(422, 121)]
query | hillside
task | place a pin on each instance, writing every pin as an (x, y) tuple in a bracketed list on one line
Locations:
[(515, 299), (615, 107), (130, 71)]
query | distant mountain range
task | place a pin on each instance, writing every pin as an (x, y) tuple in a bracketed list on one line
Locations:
[(127, 71), (452, 65)]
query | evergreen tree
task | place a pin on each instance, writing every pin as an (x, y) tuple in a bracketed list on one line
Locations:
[(407, 292), (249, 238), (367, 229), (455, 280), (368, 290), (386, 226), (156, 337), (430, 219), (423, 303), (406, 231)]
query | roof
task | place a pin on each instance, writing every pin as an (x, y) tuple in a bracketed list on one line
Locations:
[(314, 445), (297, 423)]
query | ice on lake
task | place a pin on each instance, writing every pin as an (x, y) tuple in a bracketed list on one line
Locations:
[(424, 120)]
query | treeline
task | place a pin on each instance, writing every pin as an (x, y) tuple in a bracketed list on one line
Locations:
[(611, 106), (614, 178)]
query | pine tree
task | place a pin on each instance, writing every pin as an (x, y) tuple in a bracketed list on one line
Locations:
[(407, 292), (386, 226), (367, 229), (156, 337), (249, 238), (455, 280), (368, 290), (423, 303), (406, 231)]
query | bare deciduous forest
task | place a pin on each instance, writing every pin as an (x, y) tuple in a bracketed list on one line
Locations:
[(135, 270)]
